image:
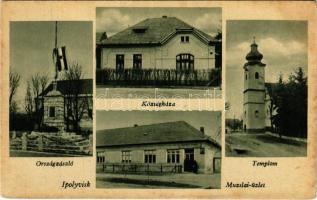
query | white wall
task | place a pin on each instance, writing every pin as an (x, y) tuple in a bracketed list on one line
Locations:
[(163, 57), (204, 161), (254, 100)]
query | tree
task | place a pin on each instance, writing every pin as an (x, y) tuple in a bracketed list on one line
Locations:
[(218, 50), (43, 82), (28, 100), (14, 84), (13, 107), (76, 104), (38, 85), (234, 124), (291, 105)]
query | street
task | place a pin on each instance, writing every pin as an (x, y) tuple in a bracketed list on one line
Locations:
[(183, 180), (263, 145)]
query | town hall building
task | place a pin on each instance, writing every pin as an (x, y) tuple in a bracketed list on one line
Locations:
[(160, 43), (162, 51)]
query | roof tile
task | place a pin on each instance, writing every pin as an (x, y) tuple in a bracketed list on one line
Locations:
[(168, 132)]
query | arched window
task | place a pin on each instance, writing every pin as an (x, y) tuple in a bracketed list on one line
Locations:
[(185, 62), (256, 75), (256, 113), (246, 76)]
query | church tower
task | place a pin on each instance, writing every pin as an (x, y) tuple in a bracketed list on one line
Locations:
[(254, 91)]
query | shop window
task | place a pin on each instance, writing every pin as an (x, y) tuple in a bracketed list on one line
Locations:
[(100, 157), (173, 156), (126, 156)]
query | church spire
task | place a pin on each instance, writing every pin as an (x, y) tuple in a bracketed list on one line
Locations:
[(254, 56)]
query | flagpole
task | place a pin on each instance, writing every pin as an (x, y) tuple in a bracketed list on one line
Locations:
[(55, 50)]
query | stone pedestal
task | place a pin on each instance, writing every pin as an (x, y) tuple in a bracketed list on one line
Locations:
[(40, 142), (24, 141)]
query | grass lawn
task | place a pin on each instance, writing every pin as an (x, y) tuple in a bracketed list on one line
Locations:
[(263, 145), (159, 93), (184, 180)]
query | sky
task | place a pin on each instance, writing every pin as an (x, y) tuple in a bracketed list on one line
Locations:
[(282, 43), (211, 120), (113, 20), (32, 43)]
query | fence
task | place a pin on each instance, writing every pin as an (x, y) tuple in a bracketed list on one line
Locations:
[(158, 77), (141, 168), (46, 142)]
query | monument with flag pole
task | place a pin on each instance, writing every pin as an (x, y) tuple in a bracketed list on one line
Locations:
[(67, 101), (56, 114)]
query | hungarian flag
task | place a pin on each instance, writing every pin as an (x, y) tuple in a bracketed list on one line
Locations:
[(60, 58)]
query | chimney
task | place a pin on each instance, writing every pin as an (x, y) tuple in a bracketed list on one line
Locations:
[(202, 129), (135, 125), (104, 36), (164, 16)]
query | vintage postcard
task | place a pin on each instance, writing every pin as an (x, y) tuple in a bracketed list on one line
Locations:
[(158, 99)]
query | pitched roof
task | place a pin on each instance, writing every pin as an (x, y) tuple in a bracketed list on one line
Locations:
[(169, 132), (153, 31), (85, 86)]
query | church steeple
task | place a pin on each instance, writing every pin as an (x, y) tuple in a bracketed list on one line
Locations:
[(254, 91), (254, 56)]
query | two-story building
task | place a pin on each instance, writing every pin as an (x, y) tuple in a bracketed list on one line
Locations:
[(165, 43)]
